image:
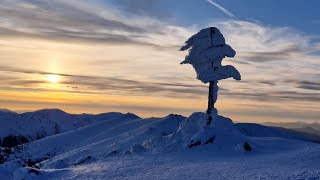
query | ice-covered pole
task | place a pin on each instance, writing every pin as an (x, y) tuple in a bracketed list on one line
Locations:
[(212, 98), (207, 49)]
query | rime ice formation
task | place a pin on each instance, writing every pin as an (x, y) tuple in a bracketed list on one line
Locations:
[(207, 49)]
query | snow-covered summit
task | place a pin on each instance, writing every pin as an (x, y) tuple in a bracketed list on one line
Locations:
[(193, 132)]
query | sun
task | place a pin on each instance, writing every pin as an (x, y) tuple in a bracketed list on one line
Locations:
[(53, 78)]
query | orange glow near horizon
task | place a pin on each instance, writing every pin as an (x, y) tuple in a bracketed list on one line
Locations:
[(142, 106), (96, 78)]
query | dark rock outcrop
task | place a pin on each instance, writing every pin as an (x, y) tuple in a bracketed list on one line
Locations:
[(13, 140)]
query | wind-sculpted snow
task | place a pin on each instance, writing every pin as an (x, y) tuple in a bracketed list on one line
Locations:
[(159, 148), (207, 49), (220, 135)]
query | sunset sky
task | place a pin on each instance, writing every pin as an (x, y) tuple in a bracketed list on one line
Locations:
[(123, 55)]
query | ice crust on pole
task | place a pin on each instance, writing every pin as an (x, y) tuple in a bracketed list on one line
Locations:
[(207, 49)]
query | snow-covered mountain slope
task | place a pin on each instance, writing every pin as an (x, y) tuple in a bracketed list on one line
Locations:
[(172, 147), (309, 130), (5, 112), (257, 130), (294, 125), (36, 125)]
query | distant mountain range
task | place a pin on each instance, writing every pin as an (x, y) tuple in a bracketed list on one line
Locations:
[(21, 128), (313, 128), (258, 130)]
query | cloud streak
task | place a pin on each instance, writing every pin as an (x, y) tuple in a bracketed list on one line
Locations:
[(142, 54), (83, 84), (99, 84), (79, 21), (224, 10), (308, 85)]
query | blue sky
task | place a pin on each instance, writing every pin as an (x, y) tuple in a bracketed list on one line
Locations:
[(122, 55), (301, 15)]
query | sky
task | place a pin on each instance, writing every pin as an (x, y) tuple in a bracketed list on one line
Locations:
[(123, 55)]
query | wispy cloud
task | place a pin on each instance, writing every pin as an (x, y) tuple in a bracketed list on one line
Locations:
[(137, 55), (224, 10), (79, 21), (308, 85), (85, 84)]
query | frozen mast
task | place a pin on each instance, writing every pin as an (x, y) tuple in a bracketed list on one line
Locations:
[(207, 49)]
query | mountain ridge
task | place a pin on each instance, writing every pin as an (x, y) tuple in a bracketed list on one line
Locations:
[(30, 126), (46, 122), (122, 147)]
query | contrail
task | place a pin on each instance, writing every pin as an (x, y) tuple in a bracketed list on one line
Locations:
[(224, 10)]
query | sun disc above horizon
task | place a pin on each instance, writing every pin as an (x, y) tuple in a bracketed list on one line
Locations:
[(53, 78)]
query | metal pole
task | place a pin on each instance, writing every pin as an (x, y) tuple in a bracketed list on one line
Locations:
[(210, 102), (212, 98)]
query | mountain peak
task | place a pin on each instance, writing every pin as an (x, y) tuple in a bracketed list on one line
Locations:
[(50, 111), (132, 116), (6, 111), (174, 115)]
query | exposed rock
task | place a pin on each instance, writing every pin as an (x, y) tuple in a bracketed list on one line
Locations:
[(246, 146), (13, 140), (35, 171), (210, 140), (193, 144)]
